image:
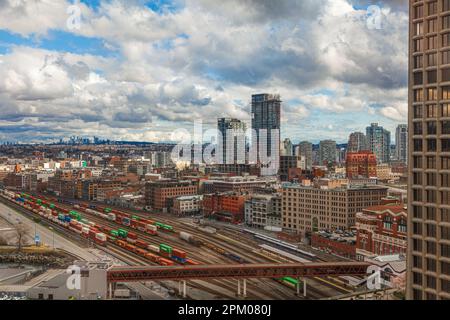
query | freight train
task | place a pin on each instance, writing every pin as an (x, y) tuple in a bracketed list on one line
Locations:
[(73, 220)]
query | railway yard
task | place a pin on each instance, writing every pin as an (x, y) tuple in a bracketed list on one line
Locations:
[(143, 238)]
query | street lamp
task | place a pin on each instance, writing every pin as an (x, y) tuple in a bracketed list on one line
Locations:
[(53, 236)]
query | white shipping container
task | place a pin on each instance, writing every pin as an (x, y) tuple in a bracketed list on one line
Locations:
[(85, 230), (100, 236), (111, 216), (185, 236), (151, 227), (153, 248)]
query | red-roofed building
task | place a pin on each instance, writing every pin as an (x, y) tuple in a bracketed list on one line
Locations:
[(381, 230)]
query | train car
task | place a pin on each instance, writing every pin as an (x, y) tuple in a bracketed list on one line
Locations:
[(179, 253), (85, 231), (100, 238), (121, 243), (141, 244), (165, 262), (126, 221), (111, 216), (165, 250), (151, 229), (141, 252), (190, 238), (290, 282), (191, 262), (115, 233), (123, 233), (152, 257), (130, 247), (153, 248)]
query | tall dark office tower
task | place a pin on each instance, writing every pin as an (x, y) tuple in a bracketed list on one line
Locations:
[(428, 271), (266, 111), (401, 143), (231, 144)]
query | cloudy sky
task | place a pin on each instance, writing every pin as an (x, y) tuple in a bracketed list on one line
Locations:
[(139, 70)]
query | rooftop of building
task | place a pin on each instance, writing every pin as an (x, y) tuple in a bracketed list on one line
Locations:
[(344, 187), (339, 235)]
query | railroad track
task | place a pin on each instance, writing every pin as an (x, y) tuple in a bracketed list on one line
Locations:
[(245, 249)]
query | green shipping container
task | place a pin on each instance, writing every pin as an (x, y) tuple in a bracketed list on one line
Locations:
[(165, 248), (159, 224), (52, 206), (123, 233), (135, 218), (115, 233)]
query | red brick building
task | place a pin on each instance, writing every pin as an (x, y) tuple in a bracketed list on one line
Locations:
[(227, 207), (381, 230), (159, 195), (361, 164)]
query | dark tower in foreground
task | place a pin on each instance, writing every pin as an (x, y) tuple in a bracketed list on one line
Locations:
[(428, 276)]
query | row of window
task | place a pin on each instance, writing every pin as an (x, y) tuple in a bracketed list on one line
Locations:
[(431, 127), (431, 213), (431, 145), (431, 196), (432, 111), (418, 79), (418, 94), (431, 162), (431, 179), (432, 8), (432, 58), (430, 231)]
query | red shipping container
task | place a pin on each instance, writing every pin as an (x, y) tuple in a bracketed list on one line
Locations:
[(134, 224), (132, 235), (179, 253), (141, 244)]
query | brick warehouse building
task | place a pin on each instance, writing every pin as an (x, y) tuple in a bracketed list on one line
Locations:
[(381, 230), (361, 164), (159, 195), (227, 206)]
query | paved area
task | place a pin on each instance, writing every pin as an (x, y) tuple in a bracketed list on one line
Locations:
[(10, 217), (47, 236)]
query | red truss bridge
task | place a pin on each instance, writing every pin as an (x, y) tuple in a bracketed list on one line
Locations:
[(243, 271)]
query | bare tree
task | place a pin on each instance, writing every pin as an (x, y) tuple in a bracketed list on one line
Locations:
[(22, 231)]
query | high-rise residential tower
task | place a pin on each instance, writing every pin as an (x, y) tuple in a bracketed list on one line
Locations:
[(379, 140), (401, 143), (357, 142), (266, 112), (305, 149), (287, 148), (327, 152), (428, 263), (231, 141)]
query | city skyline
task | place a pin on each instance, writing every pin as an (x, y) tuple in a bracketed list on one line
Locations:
[(119, 82)]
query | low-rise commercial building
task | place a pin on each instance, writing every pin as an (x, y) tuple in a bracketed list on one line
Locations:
[(307, 209), (382, 230), (159, 195), (263, 211)]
